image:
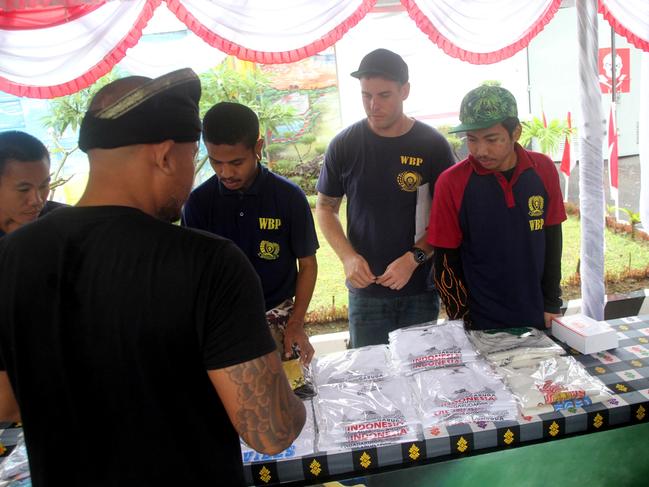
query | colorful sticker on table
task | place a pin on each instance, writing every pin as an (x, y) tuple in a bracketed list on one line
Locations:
[(624, 328), (631, 319), (637, 363), (600, 370), (644, 331), (630, 375), (607, 358), (638, 351), (265, 473), (621, 388), (643, 340)]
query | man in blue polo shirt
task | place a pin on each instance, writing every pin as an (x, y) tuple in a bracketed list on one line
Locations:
[(24, 180), (266, 215), (495, 223)]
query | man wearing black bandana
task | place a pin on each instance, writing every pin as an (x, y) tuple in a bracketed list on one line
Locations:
[(132, 347)]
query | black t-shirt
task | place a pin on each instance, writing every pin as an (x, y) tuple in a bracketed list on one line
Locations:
[(109, 319), (389, 184)]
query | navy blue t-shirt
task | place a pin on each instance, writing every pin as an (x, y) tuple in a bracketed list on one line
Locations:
[(271, 222), (389, 183)]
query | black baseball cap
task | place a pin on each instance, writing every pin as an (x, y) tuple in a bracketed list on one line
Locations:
[(384, 63)]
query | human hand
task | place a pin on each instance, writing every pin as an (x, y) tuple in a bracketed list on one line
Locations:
[(398, 272), (294, 334), (548, 317), (357, 271)]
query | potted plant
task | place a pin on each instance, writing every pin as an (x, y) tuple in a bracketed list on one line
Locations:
[(545, 137)]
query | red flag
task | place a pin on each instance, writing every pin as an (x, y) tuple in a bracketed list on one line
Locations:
[(545, 122), (612, 154), (566, 162)]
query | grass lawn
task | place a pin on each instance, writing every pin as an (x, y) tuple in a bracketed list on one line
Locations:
[(621, 254)]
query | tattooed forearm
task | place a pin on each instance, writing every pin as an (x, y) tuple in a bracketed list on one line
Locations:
[(269, 415)]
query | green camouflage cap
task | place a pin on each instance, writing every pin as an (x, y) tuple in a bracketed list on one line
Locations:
[(484, 107)]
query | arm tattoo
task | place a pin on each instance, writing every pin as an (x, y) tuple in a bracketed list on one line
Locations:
[(268, 408), (328, 201)]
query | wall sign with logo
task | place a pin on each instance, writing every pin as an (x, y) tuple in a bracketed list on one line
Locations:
[(622, 65)]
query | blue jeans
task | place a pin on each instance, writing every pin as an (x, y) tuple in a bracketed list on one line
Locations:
[(371, 319)]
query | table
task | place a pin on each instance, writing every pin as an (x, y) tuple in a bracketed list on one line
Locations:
[(456, 452)]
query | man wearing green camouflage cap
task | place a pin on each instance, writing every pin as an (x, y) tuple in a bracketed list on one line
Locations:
[(495, 223)]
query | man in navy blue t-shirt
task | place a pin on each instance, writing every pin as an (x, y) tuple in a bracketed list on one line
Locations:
[(496, 222), (266, 215), (24, 180), (386, 165)]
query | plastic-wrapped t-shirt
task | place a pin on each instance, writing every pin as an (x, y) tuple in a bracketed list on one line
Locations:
[(15, 467), (363, 414), (363, 364), (430, 346), (463, 394), (554, 384), (515, 347), (304, 444)]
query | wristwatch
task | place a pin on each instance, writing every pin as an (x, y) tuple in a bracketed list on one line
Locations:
[(419, 255)]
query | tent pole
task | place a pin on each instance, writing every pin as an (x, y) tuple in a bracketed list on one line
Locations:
[(591, 164)]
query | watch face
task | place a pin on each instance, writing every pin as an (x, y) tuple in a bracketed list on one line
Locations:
[(420, 255)]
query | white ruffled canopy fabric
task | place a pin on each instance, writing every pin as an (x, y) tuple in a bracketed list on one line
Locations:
[(270, 32), (65, 58), (481, 32), (54, 60), (629, 18)]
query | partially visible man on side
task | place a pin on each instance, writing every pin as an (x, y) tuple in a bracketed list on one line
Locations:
[(136, 346), (386, 165), (24, 180), (265, 214), (496, 223)]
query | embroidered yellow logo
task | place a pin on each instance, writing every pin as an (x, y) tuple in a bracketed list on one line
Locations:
[(535, 203), (409, 181), (270, 223), (268, 250)]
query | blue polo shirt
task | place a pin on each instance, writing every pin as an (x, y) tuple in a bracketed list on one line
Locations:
[(271, 222), (499, 227)]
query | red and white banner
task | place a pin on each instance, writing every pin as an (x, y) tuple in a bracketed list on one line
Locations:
[(51, 48)]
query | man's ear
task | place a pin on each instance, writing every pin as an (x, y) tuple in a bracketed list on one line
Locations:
[(405, 90), (258, 146), (161, 156), (516, 134)]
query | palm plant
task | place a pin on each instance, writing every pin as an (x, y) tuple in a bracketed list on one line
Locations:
[(549, 136)]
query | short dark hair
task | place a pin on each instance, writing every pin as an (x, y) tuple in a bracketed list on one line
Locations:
[(20, 147), (510, 124), (231, 123)]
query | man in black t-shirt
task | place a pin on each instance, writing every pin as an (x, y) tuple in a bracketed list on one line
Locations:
[(134, 351), (386, 166), (24, 180)]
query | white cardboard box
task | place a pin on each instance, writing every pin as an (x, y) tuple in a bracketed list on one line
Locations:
[(584, 334)]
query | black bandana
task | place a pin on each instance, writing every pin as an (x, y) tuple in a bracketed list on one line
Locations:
[(165, 108)]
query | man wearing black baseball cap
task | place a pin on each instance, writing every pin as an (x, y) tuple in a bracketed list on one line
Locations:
[(496, 222), (386, 165), (137, 346)]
